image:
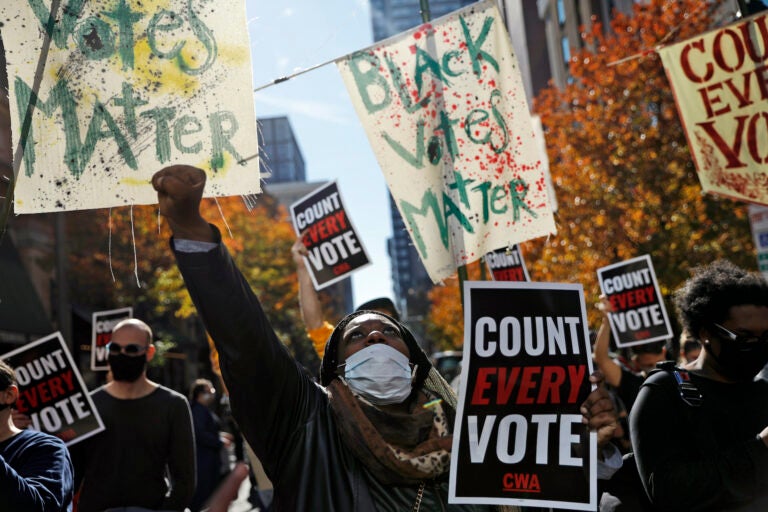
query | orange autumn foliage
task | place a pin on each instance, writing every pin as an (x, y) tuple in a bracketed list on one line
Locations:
[(621, 168)]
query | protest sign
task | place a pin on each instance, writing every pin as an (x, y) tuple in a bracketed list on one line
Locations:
[(334, 247), (101, 328), (518, 438), (51, 390), (758, 221), (444, 109), (106, 92), (638, 315), (719, 83), (507, 264)]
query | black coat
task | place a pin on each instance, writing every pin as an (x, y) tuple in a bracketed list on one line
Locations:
[(283, 414)]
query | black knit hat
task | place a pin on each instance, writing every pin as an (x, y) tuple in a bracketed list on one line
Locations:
[(331, 358), (381, 304)]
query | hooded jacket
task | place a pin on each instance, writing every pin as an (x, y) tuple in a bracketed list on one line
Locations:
[(283, 414)]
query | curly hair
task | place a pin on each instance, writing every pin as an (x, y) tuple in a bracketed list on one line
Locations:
[(713, 290)]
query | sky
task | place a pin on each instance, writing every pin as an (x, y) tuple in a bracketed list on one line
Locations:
[(289, 35)]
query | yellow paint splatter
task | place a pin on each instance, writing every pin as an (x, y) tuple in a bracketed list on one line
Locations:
[(134, 182), (233, 55), (161, 76)]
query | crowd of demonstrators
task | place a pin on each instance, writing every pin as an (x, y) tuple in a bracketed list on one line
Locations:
[(700, 434), (318, 328), (210, 442), (362, 441), (147, 436), (36, 472)]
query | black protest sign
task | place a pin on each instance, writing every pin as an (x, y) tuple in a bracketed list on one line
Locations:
[(519, 438), (333, 246), (507, 264), (639, 315), (102, 324), (52, 392)]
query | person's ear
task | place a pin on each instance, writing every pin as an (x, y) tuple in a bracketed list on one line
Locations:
[(9, 395), (151, 352)]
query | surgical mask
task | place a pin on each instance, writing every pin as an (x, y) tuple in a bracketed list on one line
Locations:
[(741, 361), (380, 374), (127, 368)]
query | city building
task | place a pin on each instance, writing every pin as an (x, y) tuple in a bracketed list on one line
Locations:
[(280, 159), (283, 170)]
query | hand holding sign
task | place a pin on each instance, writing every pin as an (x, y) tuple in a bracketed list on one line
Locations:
[(179, 191), (598, 411)]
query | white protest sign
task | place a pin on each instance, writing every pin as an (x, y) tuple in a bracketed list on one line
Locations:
[(444, 109), (721, 91), (113, 90)]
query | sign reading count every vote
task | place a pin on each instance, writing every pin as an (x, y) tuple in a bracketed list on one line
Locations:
[(518, 438)]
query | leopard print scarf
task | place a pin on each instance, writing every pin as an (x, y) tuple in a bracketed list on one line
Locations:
[(399, 449)]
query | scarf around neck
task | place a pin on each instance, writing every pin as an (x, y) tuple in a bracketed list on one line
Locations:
[(397, 448)]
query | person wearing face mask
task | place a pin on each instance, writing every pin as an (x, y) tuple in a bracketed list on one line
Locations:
[(700, 437), (36, 472), (148, 433), (375, 434)]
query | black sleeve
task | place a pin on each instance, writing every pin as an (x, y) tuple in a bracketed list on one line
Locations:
[(181, 461), (677, 473), (271, 396)]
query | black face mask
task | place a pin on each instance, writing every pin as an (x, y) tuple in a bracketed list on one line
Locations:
[(127, 368), (741, 361)]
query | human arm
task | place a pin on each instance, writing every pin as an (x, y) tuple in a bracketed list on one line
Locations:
[(227, 491), (39, 478), (181, 456), (599, 414), (683, 464), (318, 329), (271, 396), (610, 369), (206, 430)]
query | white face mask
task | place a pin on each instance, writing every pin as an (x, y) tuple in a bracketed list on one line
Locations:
[(380, 374)]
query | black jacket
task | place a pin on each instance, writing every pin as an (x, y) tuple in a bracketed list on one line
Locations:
[(283, 414)]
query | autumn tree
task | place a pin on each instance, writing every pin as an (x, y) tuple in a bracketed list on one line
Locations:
[(622, 170), (260, 243)]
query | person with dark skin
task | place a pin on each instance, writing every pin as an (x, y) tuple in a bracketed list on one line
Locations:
[(362, 440), (700, 437)]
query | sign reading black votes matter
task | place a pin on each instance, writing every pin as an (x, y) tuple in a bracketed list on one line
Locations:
[(638, 315), (102, 325), (51, 390), (507, 264), (334, 249), (519, 438)]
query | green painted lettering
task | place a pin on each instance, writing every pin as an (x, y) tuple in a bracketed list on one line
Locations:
[(451, 209), (424, 63), (402, 89), (460, 184), (101, 116), (429, 204), (125, 19), (446, 61), (476, 116), (156, 25), (220, 137), (499, 193), (474, 46), (61, 30), (495, 99), (162, 116), (129, 102), (371, 78), (446, 125), (95, 39), (187, 125), (416, 160), (518, 190)]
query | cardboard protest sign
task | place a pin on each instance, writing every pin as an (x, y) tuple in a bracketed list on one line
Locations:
[(444, 109), (101, 328), (507, 264), (110, 91), (758, 221), (335, 249), (639, 315), (52, 392), (718, 79), (518, 438)]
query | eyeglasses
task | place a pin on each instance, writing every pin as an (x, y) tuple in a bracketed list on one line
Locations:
[(741, 338), (132, 349)]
